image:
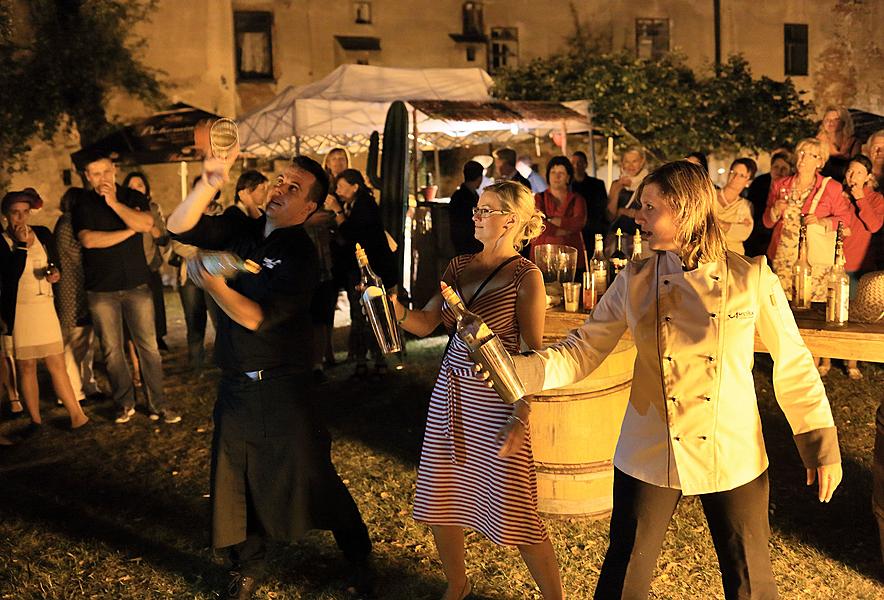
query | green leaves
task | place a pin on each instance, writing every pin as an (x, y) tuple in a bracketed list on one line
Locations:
[(61, 61), (663, 104)]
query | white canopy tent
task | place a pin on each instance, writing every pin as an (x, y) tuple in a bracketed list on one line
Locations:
[(451, 107)]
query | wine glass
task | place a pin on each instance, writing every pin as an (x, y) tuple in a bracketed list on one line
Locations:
[(223, 137)]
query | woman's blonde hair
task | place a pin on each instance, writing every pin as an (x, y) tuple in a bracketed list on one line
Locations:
[(846, 121), (688, 192), (821, 148), (515, 198)]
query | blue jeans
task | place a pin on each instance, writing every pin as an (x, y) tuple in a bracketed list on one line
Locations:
[(196, 303), (135, 306)]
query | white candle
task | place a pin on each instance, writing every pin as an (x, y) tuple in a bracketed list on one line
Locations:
[(182, 171), (610, 175)]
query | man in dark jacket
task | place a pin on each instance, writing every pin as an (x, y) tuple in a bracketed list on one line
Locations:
[(593, 191), (460, 210), (272, 475)]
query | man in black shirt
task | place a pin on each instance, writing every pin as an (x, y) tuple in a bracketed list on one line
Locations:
[(593, 191), (109, 221), (272, 475), (460, 210)]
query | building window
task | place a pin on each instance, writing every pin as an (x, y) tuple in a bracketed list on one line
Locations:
[(254, 44), (473, 20), (471, 54), (504, 48), (651, 38), (362, 9), (795, 43)]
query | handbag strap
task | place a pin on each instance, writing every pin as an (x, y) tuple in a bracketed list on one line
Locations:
[(819, 194)]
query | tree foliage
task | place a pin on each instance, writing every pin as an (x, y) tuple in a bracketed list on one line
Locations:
[(663, 104), (61, 61)]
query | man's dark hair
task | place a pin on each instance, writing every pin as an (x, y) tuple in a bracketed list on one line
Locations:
[(508, 155), (580, 154), (472, 170), (320, 189), (701, 158), (562, 162), (93, 157), (249, 180)]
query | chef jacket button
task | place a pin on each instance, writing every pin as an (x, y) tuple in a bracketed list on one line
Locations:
[(667, 318), (665, 282), (716, 277), (669, 358), (708, 398), (673, 399), (713, 315), (702, 437), (677, 438), (711, 359)]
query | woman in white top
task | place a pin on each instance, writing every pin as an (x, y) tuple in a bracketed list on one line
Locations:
[(734, 213), (692, 425)]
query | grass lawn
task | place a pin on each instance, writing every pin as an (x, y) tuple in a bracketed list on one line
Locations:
[(121, 511)]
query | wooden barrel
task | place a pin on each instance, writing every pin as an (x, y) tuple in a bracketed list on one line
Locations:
[(574, 431)]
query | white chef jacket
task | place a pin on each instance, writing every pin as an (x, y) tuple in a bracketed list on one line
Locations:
[(692, 421)]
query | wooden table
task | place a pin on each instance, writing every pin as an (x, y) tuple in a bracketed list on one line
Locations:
[(852, 341)]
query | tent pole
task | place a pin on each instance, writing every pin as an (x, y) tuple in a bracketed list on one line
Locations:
[(415, 151), (436, 165), (592, 145)]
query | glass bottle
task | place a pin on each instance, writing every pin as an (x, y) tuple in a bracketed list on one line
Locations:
[(377, 306), (226, 264), (637, 245), (838, 289), (618, 258), (598, 264), (484, 347), (802, 276)]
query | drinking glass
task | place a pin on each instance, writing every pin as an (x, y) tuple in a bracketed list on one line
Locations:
[(572, 296), (223, 137)]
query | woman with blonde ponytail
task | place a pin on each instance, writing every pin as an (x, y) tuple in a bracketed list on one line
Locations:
[(691, 425), (477, 467)]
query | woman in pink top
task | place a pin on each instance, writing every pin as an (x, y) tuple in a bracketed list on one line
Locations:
[(793, 196), (565, 210), (867, 218)]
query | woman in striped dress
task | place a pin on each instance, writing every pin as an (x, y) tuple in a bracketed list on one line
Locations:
[(477, 467)]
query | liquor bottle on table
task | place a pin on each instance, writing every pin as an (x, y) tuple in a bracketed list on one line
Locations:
[(618, 258), (485, 348), (598, 264), (802, 276), (636, 245), (838, 288), (377, 306)]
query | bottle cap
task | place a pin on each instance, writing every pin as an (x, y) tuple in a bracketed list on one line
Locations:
[(251, 267), (361, 257), (449, 294)]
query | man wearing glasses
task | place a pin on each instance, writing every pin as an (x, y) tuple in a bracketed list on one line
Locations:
[(272, 475)]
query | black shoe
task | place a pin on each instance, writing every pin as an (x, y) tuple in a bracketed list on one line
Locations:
[(241, 587), (161, 344), (362, 579), (319, 376)]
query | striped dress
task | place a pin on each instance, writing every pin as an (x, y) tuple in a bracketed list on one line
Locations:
[(461, 481)]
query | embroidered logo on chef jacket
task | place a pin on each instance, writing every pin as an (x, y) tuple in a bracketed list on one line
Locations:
[(742, 314), (269, 263)]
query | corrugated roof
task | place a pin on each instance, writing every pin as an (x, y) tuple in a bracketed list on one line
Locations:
[(499, 110)]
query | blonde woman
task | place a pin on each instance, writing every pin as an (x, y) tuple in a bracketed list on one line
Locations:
[(692, 425), (808, 193), (477, 467), (836, 132)]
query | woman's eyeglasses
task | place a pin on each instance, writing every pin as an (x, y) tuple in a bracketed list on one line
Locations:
[(810, 154), (482, 212)]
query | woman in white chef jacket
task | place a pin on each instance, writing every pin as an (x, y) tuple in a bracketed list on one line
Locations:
[(692, 425)]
